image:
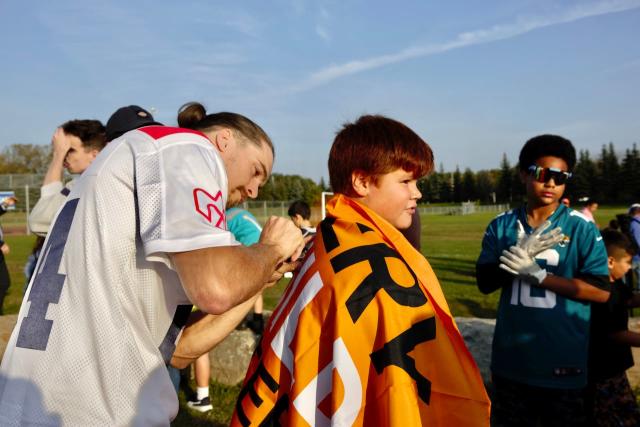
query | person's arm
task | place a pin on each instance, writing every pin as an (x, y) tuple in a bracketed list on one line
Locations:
[(587, 288), (490, 277), (626, 337), (204, 331), (52, 196), (217, 279), (60, 146)]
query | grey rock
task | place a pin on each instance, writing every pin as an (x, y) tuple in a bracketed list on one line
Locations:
[(230, 359), (478, 334)]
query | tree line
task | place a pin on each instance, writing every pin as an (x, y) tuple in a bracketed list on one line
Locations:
[(609, 177)]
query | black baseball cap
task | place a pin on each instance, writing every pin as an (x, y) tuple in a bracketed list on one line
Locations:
[(126, 119)]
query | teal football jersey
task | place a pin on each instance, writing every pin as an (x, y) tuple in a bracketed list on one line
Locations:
[(541, 338)]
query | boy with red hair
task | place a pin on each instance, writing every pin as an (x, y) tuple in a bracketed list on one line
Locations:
[(363, 334)]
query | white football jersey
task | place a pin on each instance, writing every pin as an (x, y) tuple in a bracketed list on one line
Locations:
[(103, 311)]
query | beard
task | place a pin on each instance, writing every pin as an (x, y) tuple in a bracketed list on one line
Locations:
[(234, 199)]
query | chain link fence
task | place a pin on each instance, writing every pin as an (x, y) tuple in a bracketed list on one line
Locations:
[(466, 208)]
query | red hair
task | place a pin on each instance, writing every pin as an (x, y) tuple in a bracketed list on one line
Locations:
[(376, 145)]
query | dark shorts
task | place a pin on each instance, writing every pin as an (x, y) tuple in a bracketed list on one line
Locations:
[(614, 403), (518, 404)]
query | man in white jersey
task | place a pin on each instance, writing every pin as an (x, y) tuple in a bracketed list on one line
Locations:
[(141, 236)]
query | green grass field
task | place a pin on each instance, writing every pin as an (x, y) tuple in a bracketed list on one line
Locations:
[(450, 243)]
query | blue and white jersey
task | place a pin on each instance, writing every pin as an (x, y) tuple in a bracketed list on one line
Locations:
[(541, 338)]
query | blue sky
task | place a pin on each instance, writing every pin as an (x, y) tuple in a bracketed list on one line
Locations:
[(475, 79)]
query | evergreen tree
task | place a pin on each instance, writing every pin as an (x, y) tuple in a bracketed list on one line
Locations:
[(445, 185), (323, 186), (630, 177), (608, 177), (469, 191), (505, 181), (429, 186), (457, 186), (486, 186), (518, 190), (584, 181)]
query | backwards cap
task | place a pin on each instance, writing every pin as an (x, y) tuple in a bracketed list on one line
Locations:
[(126, 119)]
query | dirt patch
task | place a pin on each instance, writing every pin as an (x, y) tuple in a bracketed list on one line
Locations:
[(14, 229)]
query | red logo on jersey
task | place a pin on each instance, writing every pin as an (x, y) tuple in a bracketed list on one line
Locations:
[(157, 132), (207, 206)]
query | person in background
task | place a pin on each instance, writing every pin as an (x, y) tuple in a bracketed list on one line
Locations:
[(565, 201), (611, 399), (32, 261), (614, 224), (634, 234), (246, 230), (5, 279), (74, 146), (128, 118), (300, 213), (589, 208)]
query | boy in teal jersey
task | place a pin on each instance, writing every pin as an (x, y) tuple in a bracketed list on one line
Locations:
[(540, 345)]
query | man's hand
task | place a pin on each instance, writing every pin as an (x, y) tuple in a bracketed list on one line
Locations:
[(519, 263), (60, 144), (538, 241), (285, 267), (4, 249), (284, 236)]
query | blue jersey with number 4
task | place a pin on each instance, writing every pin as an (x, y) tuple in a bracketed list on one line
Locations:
[(541, 338)]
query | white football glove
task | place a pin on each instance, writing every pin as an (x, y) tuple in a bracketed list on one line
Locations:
[(519, 263), (538, 241)]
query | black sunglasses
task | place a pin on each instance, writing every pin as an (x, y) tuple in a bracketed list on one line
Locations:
[(541, 174)]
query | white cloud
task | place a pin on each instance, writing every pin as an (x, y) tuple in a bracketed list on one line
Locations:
[(497, 32)]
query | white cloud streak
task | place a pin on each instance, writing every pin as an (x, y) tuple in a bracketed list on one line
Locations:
[(495, 33)]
